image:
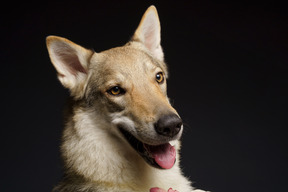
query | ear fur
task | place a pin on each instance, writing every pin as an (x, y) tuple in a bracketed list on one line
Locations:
[(148, 33), (71, 62)]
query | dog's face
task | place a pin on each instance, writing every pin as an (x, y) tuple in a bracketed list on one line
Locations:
[(128, 85)]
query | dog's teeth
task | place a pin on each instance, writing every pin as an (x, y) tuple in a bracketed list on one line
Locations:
[(173, 143)]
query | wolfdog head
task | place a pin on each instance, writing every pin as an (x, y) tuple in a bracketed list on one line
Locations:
[(126, 87)]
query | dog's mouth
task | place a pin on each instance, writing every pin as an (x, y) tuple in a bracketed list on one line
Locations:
[(159, 156)]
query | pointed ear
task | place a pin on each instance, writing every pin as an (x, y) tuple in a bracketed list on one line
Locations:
[(71, 62), (148, 33)]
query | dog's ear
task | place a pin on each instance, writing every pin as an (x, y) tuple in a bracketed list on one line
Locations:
[(71, 62), (148, 33)]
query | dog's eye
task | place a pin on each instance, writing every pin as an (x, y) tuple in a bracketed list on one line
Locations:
[(116, 91), (160, 77)]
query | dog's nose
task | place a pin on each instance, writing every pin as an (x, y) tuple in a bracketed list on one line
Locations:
[(168, 125)]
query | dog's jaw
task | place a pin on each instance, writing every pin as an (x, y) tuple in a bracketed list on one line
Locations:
[(159, 156)]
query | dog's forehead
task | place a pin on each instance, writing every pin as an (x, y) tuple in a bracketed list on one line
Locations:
[(128, 57), (125, 60)]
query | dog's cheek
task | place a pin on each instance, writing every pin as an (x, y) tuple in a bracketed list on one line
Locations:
[(113, 106), (92, 95)]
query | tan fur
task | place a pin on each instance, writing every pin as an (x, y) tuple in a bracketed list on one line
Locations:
[(96, 156)]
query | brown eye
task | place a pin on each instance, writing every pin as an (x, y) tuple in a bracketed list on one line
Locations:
[(160, 77), (116, 91)]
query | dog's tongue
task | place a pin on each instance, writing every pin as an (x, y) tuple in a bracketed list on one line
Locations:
[(164, 155)]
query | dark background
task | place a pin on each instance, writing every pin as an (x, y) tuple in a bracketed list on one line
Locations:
[(228, 80)]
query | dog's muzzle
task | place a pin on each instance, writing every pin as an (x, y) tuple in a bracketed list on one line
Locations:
[(161, 156)]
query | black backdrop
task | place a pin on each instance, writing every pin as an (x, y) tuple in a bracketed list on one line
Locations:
[(228, 80)]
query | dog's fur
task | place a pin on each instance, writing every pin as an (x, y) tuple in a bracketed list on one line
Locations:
[(121, 88)]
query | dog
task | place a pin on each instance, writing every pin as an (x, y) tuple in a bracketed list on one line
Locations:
[(121, 133)]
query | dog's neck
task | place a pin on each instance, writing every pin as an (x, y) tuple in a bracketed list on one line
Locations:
[(95, 152)]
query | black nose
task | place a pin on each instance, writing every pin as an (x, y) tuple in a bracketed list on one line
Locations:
[(168, 125)]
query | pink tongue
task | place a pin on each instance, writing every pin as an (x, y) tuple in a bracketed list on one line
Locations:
[(164, 155)]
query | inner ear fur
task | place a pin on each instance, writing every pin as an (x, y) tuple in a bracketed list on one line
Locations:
[(148, 33), (71, 62)]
